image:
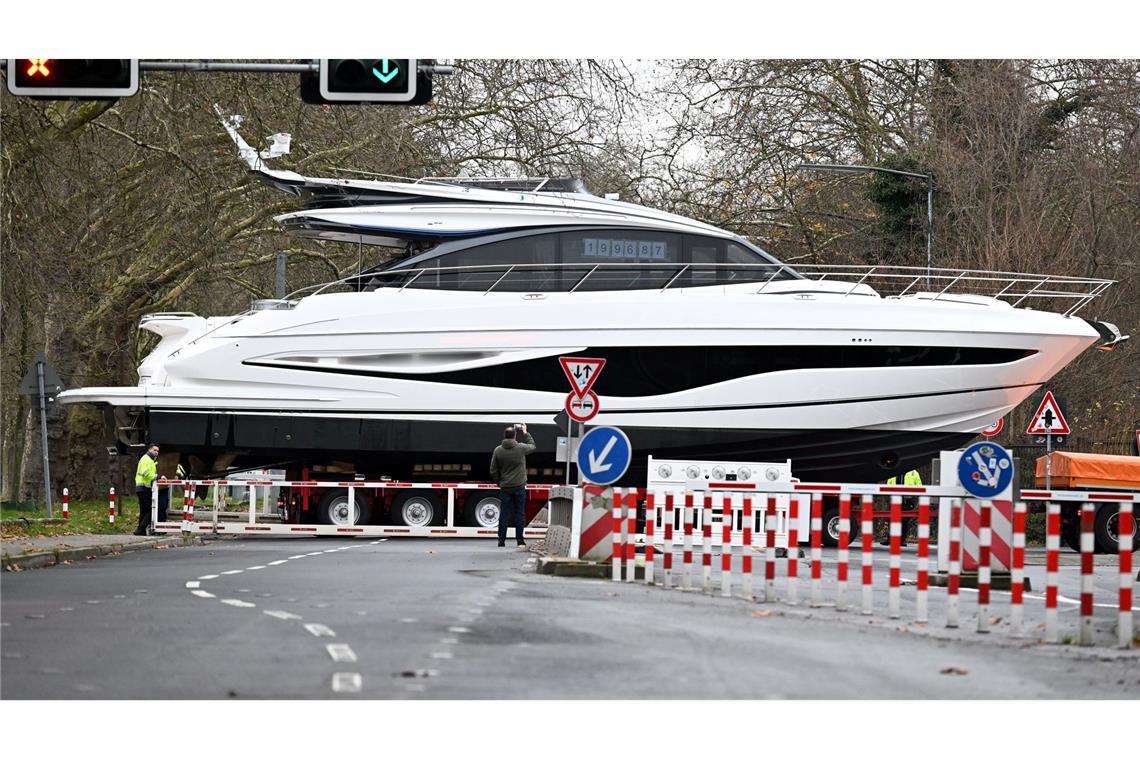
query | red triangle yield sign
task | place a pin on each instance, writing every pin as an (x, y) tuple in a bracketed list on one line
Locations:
[(581, 372), (1048, 418)]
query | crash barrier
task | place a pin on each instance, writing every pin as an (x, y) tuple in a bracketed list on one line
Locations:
[(253, 521), (666, 511), (65, 497), (111, 507)]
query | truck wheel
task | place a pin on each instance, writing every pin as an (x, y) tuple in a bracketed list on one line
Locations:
[(1106, 529), (482, 511), (831, 528), (416, 509), (333, 509), (1071, 533)]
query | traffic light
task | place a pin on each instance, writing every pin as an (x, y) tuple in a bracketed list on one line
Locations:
[(396, 81), (73, 78)]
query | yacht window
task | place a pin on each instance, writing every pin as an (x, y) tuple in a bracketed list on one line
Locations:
[(653, 258)]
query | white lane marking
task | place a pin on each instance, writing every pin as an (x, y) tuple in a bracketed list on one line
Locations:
[(92, 601), (346, 682), (298, 556), (330, 551), (207, 577), (203, 594), (193, 584), (238, 603), (441, 655), (279, 562), (232, 572), (314, 554), (318, 629), (449, 642), (119, 596), (341, 653), (282, 615), (256, 567), (459, 629), (408, 620), (1062, 598)]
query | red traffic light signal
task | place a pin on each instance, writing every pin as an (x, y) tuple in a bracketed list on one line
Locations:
[(73, 78)]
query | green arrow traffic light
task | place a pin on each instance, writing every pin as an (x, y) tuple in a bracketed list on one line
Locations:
[(385, 77)]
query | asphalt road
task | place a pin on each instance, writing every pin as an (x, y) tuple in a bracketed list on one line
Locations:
[(440, 619)]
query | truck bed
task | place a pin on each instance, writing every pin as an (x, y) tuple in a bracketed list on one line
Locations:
[(1078, 470)]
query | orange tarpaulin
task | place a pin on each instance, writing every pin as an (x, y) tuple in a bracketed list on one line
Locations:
[(1073, 469)]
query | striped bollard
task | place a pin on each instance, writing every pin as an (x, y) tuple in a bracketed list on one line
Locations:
[(746, 551), (1052, 569), (726, 547), (955, 574), (650, 529), (667, 551), (866, 512), (985, 537), (1124, 529), (111, 507), (630, 535), (617, 529), (1017, 572), (793, 549), (1088, 514), (706, 544), (923, 571), (893, 594), (843, 552), (65, 495), (185, 509), (770, 550), (816, 549), (190, 511), (687, 554)]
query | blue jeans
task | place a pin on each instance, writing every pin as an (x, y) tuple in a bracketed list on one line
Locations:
[(512, 508)]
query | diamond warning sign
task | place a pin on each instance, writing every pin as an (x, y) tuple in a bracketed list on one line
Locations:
[(1048, 419), (581, 372)]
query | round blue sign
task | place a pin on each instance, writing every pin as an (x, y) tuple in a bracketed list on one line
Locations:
[(604, 455), (985, 470)]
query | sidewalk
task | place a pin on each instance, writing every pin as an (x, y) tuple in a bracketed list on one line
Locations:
[(43, 551)]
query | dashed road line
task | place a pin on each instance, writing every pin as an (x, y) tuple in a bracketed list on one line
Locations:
[(207, 577), (341, 653), (256, 567), (459, 629), (232, 572), (282, 615), (203, 594), (278, 562), (347, 682), (238, 603), (318, 629), (193, 584)]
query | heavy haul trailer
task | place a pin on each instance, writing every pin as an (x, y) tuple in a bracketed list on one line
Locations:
[(1091, 473)]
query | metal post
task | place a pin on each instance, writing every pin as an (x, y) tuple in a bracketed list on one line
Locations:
[(279, 285), (929, 227), (1048, 461), (44, 436)]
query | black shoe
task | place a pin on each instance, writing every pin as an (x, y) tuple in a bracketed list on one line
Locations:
[(501, 543), (522, 543), (140, 533)]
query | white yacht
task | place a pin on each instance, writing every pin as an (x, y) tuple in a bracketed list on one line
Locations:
[(714, 349)]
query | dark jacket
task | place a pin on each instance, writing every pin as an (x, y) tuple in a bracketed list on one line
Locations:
[(508, 463)]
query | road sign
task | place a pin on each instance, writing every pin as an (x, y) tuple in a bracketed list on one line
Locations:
[(581, 372), (995, 428), (1048, 419), (582, 409), (985, 470), (604, 455), (30, 385)]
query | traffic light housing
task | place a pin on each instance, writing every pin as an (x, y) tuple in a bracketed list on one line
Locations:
[(73, 78), (393, 81)]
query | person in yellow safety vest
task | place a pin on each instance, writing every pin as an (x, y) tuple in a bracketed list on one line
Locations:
[(912, 478), (145, 475)]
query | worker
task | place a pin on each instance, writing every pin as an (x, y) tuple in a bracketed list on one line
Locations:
[(145, 475), (508, 469), (912, 478)]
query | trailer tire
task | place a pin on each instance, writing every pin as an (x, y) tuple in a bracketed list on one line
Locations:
[(1106, 529), (416, 509), (482, 511), (333, 509), (831, 528), (1071, 532)]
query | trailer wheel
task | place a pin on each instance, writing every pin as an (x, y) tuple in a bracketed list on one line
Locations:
[(333, 509), (482, 511), (1106, 529), (1071, 532), (416, 509), (831, 528)]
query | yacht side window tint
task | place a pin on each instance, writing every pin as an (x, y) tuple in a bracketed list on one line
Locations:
[(619, 259)]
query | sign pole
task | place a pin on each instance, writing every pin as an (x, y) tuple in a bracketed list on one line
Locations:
[(44, 435), (1048, 461)]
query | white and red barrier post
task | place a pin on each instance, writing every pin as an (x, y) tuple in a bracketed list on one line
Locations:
[(1088, 514), (816, 549), (65, 496), (867, 511), (746, 540), (667, 551), (185, 510), (793, 549), (770, 550), (923, 570), (1052, 569), (190, 507), (111, 507), (985, 537), (650, 527), (687, 553), (954, 576), (843, 558), (706, 544), (631, 532), (1017, 572), (1124, 530), (617, 530), (893, 594), (726, 547)]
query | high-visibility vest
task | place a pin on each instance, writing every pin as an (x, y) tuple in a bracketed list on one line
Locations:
[(912, 478), (146, 473)]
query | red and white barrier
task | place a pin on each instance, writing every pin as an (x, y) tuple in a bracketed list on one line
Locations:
[(816, 549), (894, 568), (726, 547), (111, 507), (687, 554), (1017, 572), (1052, 568), (1088, 513), (1124, 529), (866, 511), (843, 552), (923, 571), (746, 558), (770, 550), (631, 531), (65, 498), (793, 549), (706, 544), (618, 525), (667, 557), (650, 524), (985, 533), (954, 576)]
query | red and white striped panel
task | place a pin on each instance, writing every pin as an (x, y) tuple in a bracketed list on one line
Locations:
[(1001, 535)]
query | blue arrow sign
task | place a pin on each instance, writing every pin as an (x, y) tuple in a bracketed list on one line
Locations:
[(985, 470), (604, 455), (385, 76)]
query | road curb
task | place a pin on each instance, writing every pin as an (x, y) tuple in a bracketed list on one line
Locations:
[(572, 568), (36, 560)]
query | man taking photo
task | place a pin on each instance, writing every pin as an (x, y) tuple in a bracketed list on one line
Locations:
[(508, 469)]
